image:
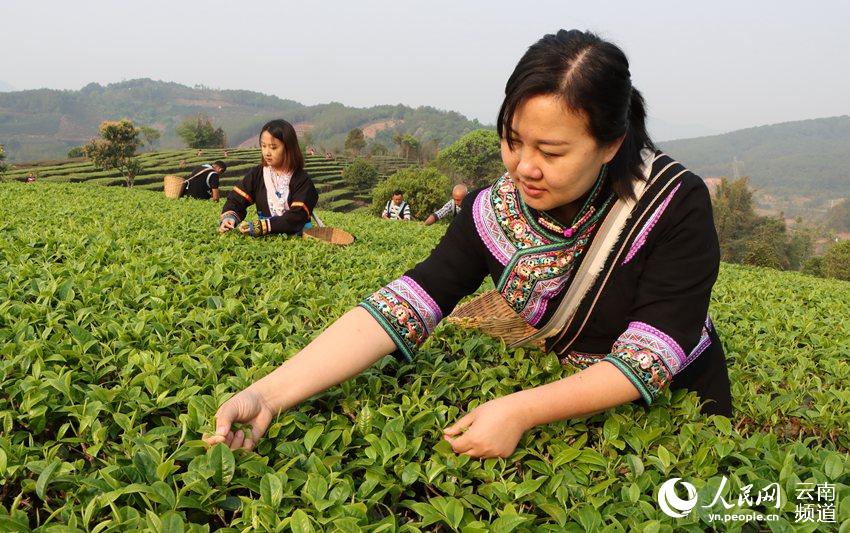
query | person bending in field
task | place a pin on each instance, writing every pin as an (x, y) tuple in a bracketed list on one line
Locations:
[(396, 208), (603, 243), (280, 188), (203, 183), (450, 208)]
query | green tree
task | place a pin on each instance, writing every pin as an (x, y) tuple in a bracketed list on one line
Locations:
[(814, 266), (838, 218), (77, 151), (430, 149), (116, 148), (376, 149), (734, 217), (151, 135), (800, 246), (766, 245), (199, 132), (750, 239), (425, 189), (408, 145), (307, 140), (356, 141), (474, 159), (361, 174), (836, 261)]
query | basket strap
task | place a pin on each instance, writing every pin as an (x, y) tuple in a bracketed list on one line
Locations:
[(594, 262), (195, 175)]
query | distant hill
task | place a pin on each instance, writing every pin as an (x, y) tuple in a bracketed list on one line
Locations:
[(838, 218), (807, 158), (46, 123)]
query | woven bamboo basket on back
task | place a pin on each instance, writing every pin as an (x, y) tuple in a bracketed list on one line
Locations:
[(490, 313), (172, 185)]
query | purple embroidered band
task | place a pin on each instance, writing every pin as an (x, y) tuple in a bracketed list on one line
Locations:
[(489, 229), (640, 240), (416, 296)]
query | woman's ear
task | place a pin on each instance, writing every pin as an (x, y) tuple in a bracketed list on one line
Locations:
[(612, 149)]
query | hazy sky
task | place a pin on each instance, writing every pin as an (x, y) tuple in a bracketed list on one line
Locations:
[(703, 67)]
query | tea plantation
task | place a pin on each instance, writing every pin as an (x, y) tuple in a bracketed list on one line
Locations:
[(335, 193), (125, 320)]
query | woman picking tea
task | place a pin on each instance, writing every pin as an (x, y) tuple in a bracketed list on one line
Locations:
[(601, 242)]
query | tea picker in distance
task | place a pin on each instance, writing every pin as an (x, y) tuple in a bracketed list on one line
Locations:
[(603, 244), (452, 207), (396, 208), (203, 183), (279, 186)]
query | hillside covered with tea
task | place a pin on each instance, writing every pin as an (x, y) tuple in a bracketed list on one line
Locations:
[(126, 319)]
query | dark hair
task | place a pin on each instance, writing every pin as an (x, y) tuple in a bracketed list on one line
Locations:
[(221, 164), (592, 76), (283, 131), (398, 192)]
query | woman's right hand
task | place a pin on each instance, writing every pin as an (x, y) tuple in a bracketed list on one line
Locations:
[(227, 223), (247, 407)]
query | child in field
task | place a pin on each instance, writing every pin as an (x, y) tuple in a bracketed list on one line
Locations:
[(280, 188)]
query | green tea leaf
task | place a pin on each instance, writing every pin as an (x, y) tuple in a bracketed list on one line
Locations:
[(271, 490), (223, 464), (312, 436), (45, 477), (833, 467), (528, 486), (300, 522)]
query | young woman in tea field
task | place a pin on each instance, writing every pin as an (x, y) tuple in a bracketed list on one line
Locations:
[(280, 187), (601, 242)]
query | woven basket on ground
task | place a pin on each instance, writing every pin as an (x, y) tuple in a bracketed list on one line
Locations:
[(172, 185), (492, 315), (331, 235)]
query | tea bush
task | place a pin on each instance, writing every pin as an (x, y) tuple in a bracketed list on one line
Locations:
[(125, 320)]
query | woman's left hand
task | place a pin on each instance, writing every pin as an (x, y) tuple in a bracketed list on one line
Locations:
[(493, 429)]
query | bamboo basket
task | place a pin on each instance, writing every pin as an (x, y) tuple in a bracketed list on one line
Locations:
[(490, 313), (172, 185), (332, 235)]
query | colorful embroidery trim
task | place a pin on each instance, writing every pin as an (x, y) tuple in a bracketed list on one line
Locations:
[(406, 312), (640, 240), (582, 359), (537, 265), (650, 358)]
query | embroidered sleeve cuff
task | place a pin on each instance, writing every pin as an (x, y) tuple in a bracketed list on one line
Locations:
[(648, 357), (257, 228), (230, 215), (406, 312)]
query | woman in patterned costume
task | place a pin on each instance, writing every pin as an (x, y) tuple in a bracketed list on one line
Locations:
[(602, 243)]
